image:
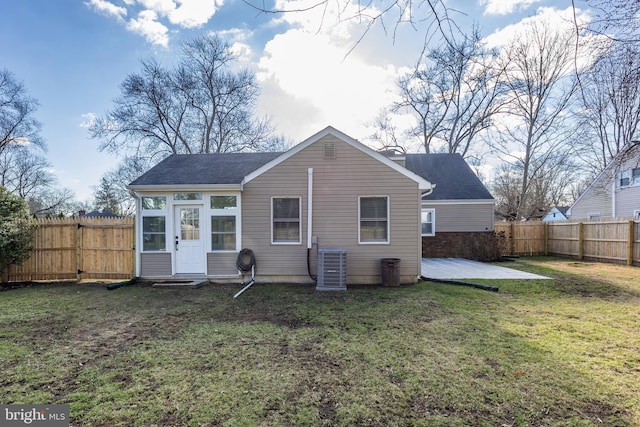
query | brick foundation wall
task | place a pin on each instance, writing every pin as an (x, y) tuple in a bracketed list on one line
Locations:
[(471, 245)]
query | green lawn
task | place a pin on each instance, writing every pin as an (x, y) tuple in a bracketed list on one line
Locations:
[(563, 352)]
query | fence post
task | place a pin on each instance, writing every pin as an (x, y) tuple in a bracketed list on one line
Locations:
[(630, 236), (79, 252), (580, 241), (513, 238)]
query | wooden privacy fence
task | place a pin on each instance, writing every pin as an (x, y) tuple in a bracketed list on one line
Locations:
[(616, 241), (76, 249)]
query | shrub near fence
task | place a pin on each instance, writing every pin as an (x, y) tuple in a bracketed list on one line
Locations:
[(76, 249), (616, 241)]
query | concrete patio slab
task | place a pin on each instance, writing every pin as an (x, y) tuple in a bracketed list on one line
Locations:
[(458, 268)]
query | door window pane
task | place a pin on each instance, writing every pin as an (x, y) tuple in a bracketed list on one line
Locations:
[(190, 223)]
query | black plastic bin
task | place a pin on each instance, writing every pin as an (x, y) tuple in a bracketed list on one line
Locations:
[(390, 271)]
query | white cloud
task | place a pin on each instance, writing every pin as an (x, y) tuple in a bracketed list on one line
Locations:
[(181, 13), (505, 7), (106, 8), (193, 13), (555, 18), (147, 25), (88, 119), (309, 72)]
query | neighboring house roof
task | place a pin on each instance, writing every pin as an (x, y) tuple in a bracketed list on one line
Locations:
[(98, 214), (563, 209), (452, 176), (203, 169)]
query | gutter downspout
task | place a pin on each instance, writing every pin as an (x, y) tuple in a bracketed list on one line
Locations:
[(310, 208), (613, 199), (310, 239), (137, 228)]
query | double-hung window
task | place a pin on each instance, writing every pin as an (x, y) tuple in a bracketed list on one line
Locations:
[(285, 220), (224, 221), (154, 216), (428, 222), (373, 219), (625, 178)]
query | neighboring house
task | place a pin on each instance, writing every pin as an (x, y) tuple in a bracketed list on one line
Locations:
[(615, 192), (195, 212), (556, 213)]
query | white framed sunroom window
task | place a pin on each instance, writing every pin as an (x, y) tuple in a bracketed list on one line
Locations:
[(373, 219), (224, 223), (154, 223), (428, 222)]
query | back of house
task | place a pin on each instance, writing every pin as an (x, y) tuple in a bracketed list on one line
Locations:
[(196, 212)]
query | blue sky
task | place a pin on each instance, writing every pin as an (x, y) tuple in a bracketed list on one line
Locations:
[(73, 54)]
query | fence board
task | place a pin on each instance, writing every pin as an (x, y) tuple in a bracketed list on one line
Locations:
[(74, 249)]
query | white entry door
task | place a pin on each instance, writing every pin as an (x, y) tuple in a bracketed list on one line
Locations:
[(189, 246)]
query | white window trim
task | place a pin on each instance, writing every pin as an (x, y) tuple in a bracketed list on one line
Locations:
[(225, 212), (154, 213), (366, 242), (433, 221), (288, 242), (157, 214), (636, 214)]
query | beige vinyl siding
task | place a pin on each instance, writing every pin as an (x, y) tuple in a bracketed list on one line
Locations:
[(462, 217), (155, 264), (597, 199), (627, 201), (222, 264), (337, 183)]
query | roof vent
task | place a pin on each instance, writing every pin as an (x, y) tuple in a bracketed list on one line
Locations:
[(329, 150), (332, 269)]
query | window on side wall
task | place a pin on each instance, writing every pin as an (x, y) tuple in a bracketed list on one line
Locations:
[(635, 176), (373, 219), (428, 222), (153, 233), (625, 178), (285, 220)]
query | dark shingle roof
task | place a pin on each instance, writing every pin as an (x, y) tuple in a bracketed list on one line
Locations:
[(195, 169), (451, 174)]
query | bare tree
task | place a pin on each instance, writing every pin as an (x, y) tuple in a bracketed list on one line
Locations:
[(454, 95), (611, 104), (617, 20), (433, 17), (201, 106), (535, 131), (17, 108)]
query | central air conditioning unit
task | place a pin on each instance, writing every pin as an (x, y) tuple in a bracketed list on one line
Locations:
[(332, 269)]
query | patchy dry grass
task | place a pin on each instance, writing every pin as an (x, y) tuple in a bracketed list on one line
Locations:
[(564, 352)]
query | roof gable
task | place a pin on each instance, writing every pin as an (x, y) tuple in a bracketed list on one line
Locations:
[(423, 184), (451, 175)]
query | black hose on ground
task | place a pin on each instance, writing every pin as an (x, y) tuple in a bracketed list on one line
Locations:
[(456, 282), (121, 284)]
